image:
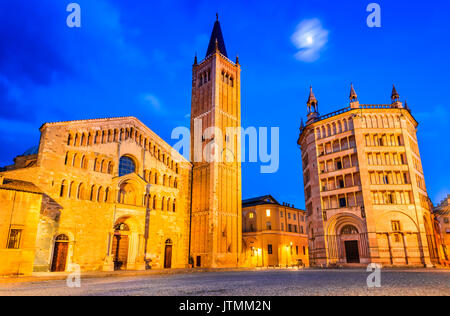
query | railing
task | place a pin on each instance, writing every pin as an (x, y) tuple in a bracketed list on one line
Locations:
[(377, 106), (361, 106), (326, 153), (323, 117)]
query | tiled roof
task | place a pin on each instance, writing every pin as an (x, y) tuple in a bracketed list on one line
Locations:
[(19, 185), (261, 200), (31, 151)]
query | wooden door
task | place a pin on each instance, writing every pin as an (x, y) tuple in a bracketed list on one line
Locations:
[(168, 257), (352, 251), (120, 252), (60, 257)]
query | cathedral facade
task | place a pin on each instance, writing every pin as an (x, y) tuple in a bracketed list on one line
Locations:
[(110, 194), (365, 192)]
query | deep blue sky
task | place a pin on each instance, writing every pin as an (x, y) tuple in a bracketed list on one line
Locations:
[(135, 57)]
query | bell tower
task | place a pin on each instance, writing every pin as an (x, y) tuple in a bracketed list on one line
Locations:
[(216, 226)]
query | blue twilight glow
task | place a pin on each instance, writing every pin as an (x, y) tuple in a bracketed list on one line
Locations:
[(135, 58)]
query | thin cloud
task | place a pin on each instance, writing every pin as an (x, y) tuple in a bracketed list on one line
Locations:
[(310, 38), (150, 100)]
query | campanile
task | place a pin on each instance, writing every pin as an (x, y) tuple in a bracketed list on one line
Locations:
[(216, 227)]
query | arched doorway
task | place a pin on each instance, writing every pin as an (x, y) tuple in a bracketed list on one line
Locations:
[(168, 254), (60, 251), (120, 246), (349, 234)]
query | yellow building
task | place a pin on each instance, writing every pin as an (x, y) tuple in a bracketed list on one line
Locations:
[(110, 194), (442, 215), (365, 193), (116, 196), (20, 208), (273, 234)]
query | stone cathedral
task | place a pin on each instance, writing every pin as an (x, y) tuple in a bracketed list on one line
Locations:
[(110, 194)]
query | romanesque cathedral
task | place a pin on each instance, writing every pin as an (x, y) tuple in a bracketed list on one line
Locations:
[(110, 194)]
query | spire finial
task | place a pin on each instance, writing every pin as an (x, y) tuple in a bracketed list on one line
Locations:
[(237, 59), (195, 59), (353, 95), (312, 102), (216, 36), (395, 96), (312, 97), (217, 16)]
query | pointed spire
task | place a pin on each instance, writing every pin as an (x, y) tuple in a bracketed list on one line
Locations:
[(353, 95), (312, 103), (407, 107), (237, 59), (395, 96), (312, 98), (302, 125), (216, 36), (195, 60)]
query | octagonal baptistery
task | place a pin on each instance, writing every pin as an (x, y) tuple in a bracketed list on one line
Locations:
[(116, 196), (365, 193)]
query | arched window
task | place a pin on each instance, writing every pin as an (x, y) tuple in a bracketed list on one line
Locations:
[(121, 227), (349, 230), (63, 192), (67, 159), (92, 197), (83, 162), (103, 167), (110, 167), (101, 195), (174, 206), (127, 194), (71, 190), (74, 160), (81, 192), (126, 166), (107, 195), (62, 238), (169, 242)]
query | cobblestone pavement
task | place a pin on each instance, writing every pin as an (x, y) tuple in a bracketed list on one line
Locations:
[(252, 283)]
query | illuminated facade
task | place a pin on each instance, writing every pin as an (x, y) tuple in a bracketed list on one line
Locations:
[(365, 193), (273, 234), (110, 194), (442, 215), (216, 202)]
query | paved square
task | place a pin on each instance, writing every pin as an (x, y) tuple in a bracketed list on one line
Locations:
[(252, 283)]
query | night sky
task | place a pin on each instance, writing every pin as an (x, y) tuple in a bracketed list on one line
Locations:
[(134, 58)]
